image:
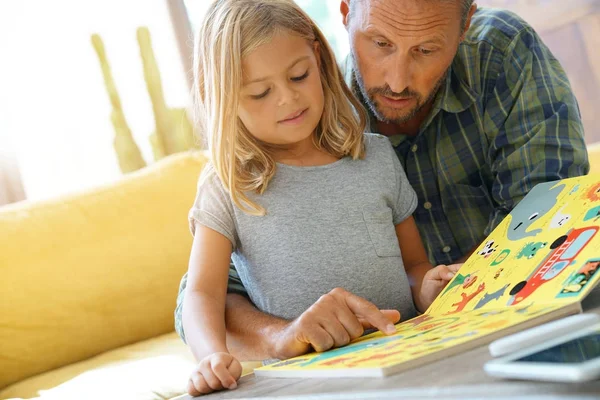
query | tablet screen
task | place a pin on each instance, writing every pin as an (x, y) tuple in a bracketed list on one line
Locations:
[(578, 350)]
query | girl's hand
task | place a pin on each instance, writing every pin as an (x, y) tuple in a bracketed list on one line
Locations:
[(217, 371), (434, 281)]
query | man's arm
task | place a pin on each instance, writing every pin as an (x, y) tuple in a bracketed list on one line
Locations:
[(250, 331), (533, 123), (333, 320)]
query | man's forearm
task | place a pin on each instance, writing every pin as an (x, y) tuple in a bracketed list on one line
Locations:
[(251, 334)]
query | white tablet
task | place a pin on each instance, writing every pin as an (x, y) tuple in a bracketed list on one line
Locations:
[(574, 357)]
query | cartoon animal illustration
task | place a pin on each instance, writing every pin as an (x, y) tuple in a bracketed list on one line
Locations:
[(579, 279), (491, 313), (500, 258), (589, 268), (458, 280), (565, 250), (438, 324), (498, 273), (593, 193), (490, 296), (467, 298), (352, 348), (593, 213), (488, 249), (420, 319), (574, 190), (469, 281), (559, 219), (531, 209), (531, 249)]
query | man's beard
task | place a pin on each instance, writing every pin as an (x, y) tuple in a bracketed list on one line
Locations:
[(377, 110)]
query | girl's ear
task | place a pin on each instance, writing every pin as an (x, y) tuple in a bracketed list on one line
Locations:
[(317, 51)]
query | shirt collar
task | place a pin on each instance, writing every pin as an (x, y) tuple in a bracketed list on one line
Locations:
[(455, 94)]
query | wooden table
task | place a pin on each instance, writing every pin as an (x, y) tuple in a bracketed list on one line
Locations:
[(458, 377)]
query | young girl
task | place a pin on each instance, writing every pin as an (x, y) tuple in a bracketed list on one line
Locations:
[(295, 193)]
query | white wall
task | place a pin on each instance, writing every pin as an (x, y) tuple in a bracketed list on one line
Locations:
[(54, 108)]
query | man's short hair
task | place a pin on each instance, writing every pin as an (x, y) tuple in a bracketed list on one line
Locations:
[(466, 6)]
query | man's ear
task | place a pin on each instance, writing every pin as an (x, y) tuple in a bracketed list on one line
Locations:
[(468, 21), (345, 10)]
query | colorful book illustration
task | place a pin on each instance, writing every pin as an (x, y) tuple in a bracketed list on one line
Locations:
[(536, 266)]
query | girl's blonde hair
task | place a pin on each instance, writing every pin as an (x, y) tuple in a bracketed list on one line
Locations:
[(231, 30)]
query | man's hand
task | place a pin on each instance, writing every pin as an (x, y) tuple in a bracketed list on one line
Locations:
[(434, 281), (333, 321)]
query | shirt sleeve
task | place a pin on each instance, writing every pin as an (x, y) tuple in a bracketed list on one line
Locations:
[(405, 197), (213, 207), (533, 124)]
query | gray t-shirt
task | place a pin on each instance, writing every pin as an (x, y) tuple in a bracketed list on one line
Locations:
[(325, 227)]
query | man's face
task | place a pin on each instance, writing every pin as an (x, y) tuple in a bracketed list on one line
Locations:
[(402, 50)]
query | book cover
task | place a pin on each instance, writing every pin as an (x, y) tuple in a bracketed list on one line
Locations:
[(535, 267)]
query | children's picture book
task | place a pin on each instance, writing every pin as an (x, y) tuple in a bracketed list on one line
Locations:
[(535, 267)]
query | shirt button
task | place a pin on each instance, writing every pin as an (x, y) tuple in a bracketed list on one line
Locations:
[(446, 249), (427, 205), (414, 148)]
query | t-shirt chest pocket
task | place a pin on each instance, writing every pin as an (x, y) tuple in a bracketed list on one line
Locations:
[(382, 231)]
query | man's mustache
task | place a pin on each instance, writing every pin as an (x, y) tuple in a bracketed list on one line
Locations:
[(388, 92)]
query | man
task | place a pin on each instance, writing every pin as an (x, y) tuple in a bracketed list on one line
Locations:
[(478, 110)]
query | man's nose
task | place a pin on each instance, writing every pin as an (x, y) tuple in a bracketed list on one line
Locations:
[(398, 74)]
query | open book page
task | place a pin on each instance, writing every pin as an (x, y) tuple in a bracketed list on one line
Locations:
[(418, 341), (547, 251), (536, 266)]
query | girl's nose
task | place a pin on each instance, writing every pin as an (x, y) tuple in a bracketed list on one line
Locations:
[(288, 95)]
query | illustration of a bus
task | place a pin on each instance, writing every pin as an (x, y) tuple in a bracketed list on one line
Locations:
[(564, 251)]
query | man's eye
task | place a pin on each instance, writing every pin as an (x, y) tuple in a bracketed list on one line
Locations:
[(260, 96), (300, 78), (425, 52), (381, 44)]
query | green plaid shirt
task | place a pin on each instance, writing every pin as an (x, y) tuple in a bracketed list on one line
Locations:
[(505, 120)]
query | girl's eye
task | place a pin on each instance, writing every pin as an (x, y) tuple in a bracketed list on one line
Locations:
[(300, 78), (260, 96)]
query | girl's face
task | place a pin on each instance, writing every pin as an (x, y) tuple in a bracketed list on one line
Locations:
[(282, 97)]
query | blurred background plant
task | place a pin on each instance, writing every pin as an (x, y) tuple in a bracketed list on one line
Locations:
[(59, 134), (173, 131)]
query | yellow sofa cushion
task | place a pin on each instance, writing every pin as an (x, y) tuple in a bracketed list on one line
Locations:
[(93, 271), (157, 368)]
